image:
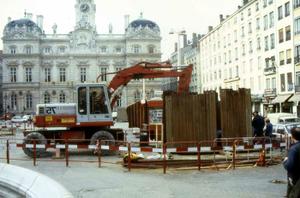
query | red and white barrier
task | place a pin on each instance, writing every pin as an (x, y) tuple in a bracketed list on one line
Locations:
[(153, 150)]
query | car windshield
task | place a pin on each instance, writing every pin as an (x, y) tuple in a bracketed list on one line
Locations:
[(290, 126), (292, 120)]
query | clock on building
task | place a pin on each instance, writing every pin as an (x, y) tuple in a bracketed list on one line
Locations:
[(84, 8)]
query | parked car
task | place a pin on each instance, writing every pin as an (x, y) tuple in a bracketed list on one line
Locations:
[(4, 123), (282, 118), (27, 118), (18, 119), (283, 130)]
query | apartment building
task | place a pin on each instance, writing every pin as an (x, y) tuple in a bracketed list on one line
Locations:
[(253, 48), (185, 53)]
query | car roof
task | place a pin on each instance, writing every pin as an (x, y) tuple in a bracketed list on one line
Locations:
[(287, 124)]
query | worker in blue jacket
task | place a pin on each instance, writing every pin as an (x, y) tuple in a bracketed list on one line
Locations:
[(292, 165)]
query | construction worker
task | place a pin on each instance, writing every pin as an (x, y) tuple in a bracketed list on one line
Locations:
[(292, 164)]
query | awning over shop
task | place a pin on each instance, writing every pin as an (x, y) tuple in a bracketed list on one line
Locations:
[(281, 98), (295, 98)]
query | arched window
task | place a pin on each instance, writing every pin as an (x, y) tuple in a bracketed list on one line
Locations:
[(12, 49), (136, 49), (118, 49), (62, 97), (47, 50), (103, 49), (151, 95), (46, 98), (61, 49), (137, 95), (28, 49), (119, 102), (83, 74), (151, 49), (13, 101), (28, 101)]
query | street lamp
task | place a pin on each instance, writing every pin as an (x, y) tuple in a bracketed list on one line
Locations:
[(5, 101), (179, 33)]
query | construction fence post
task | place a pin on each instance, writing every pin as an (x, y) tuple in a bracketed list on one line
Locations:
[(99, 152), (34, 152), (164, 158), (7, 151), (264, 152), (234, 154), (199, 156), (129, 157), (67, 152)]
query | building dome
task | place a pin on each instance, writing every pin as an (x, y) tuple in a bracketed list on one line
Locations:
[(143, 23), (22, 25)]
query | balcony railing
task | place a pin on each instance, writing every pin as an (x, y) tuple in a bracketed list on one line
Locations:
[(270, 92), (270, 70), (290, 87), (297, 59), (297, 88)]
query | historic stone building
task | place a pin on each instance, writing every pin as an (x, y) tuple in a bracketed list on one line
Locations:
[(44, 68)]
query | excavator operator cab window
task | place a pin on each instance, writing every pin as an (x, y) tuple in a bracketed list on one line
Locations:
[(98, 103), (82, 107)]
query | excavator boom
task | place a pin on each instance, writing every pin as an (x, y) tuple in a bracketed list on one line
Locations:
[(147, 70)]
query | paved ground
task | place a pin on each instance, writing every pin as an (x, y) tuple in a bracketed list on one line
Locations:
[(112, 180)]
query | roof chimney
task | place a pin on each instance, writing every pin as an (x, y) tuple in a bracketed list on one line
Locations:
[(28, 16), (210, 28), (184, 40), (8, 19), (39, 21), (110, 28), (245, 2), (221, 18), (126, 20)]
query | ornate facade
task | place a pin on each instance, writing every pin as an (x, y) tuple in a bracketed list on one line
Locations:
[(45, 68)]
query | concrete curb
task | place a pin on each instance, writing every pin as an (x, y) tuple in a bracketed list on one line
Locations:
[(30, 184)]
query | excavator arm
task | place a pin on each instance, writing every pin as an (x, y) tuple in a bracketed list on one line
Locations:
[(147, 70)]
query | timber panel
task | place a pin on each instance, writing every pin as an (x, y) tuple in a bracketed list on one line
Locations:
[(190, 117), (235, 110), (137, 114)]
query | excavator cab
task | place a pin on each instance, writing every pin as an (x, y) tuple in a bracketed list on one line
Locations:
[(93, 104)]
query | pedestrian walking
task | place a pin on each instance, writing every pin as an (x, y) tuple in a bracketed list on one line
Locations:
[(258, 123), (292, 165), (269, 129)]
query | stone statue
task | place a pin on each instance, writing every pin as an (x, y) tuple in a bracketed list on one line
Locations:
[(54, 28)]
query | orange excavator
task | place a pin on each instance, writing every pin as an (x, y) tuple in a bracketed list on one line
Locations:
[(90, 117)]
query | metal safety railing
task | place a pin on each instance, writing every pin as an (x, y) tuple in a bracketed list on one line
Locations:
[(218, 153)]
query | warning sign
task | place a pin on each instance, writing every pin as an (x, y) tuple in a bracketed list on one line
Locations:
[(68, 120), (48, 118)]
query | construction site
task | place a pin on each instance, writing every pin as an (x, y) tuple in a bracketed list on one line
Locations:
[(181, 131)]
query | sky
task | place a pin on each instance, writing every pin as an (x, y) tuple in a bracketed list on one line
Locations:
[(190, 15)]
